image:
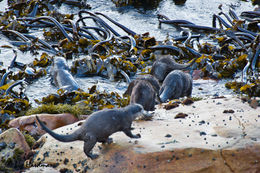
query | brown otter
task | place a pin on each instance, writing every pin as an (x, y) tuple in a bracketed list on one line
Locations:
[(144, 94), (149, 78), (61, 77), (165, 64), (100, 125), (176, 84), (145, 91)]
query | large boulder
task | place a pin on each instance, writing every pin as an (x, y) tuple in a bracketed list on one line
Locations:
[(13, 150), (218, 135), (53, 121)]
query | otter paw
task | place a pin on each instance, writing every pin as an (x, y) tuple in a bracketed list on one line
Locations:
[(109, 141), (93, 156), (137, 136)]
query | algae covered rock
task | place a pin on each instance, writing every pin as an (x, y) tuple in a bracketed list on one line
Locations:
[(13, 149)]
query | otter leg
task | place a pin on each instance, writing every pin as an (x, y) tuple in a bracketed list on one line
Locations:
[(108, 141), (89, 143), (129, 134), (189, 91)]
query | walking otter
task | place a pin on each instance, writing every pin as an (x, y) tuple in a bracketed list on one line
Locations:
[(176, 84), (164, 65), (61, 76), (144, 94), (99, 126)]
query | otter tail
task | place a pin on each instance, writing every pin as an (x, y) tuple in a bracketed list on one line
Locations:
[(62, 138)]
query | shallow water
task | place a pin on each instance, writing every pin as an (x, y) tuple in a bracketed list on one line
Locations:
[(140, 20)]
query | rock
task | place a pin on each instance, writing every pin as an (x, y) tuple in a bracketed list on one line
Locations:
[(179, 2), (254, 103), (42, 170), (228, 111), (197, 74), (168, 136), (147, 4), (14, 149), (181, 115), (188, 101), (53, 121), (170, 106), (226, 145)]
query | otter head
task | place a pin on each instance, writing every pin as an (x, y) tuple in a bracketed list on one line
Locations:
[(61, 63), (135, 110), (159, 71)]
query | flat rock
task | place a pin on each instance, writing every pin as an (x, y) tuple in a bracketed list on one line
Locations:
[(207, 140), (42, 169), (53, 121)]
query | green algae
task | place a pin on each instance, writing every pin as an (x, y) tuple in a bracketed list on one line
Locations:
[(29, 139), (51, 108)]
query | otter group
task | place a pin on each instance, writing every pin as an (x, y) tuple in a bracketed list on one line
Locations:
[(146, 90), (144, 93)]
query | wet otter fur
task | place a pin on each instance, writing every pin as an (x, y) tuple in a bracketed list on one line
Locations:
[(165, 64), (145, 91), (149, 78), (61, 77), (176, 84), (99, 126), (144, 94)]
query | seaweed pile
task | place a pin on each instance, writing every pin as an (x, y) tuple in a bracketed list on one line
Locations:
[(97, 49)]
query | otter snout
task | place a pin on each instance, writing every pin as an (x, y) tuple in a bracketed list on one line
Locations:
[(163, 97)]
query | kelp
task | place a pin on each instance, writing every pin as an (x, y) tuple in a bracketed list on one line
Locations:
[(44, 61), (92, 100), (251, 89)]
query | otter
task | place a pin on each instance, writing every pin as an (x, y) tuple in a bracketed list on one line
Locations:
[(164, 65), (149, 78), (100, 125), (145, 91), (61, 77), (144, 94), (176, 84)]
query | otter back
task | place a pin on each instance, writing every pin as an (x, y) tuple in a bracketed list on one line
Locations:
[(164, 65), (176, 84)]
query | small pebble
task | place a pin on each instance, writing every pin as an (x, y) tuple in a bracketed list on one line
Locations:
[(181, 115), (168, 136), (228, 111), (202, 133)]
